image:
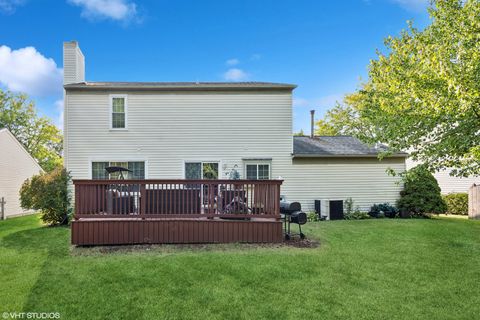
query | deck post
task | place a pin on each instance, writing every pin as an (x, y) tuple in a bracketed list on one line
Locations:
[(143, 199)]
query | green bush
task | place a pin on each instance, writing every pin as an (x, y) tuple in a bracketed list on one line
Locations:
[(457, 203), (312, 216), (421, 194), (351, 213), (383, 210), (47, 192), (359, 215)]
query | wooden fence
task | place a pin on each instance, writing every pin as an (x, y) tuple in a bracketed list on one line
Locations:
[(474, 202)]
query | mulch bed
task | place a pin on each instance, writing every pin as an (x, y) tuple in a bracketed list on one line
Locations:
[(172, 248)]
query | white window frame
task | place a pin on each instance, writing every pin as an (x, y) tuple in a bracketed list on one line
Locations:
[(254, 163), (116, 159), (125, 97), (202, 162)]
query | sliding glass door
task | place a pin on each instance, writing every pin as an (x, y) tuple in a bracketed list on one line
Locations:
[(201, 170)]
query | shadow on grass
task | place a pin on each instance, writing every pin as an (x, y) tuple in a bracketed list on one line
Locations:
[(41, 238), (59, 287)]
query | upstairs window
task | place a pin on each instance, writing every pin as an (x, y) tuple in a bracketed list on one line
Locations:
[(118, 111), (258, 171)]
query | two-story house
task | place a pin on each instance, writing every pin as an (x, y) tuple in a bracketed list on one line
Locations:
[(207, 130)]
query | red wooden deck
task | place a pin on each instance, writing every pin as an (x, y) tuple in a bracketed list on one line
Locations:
[(111, 212)]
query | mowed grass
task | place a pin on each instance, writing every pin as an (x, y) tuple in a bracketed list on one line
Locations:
[(372, 269)]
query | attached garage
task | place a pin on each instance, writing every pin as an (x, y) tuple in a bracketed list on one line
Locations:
[(333, 169)]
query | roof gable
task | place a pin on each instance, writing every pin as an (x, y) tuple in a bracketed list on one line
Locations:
[(6, 134)]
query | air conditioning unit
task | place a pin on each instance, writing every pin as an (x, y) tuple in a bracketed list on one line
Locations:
[(329, 209)]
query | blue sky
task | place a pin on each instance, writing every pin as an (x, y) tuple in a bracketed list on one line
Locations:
[(322, 46)]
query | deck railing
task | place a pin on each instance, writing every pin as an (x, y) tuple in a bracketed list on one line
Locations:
[(177, 198)]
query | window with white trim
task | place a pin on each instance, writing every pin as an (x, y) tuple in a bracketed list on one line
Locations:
[(257, 171), (137, 170), (118, 112)]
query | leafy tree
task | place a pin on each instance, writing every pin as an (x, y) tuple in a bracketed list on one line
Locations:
[(48, 192), (41, 138), (423, 94), (341, 120), (299, 134)]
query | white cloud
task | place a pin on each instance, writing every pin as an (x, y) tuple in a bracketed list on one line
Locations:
[(59, 106), (232, 62), (9, 6), (235, 74), (27, 70), (119, 10), (412, 5)]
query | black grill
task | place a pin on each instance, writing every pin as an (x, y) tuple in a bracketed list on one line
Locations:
[(292, 213)]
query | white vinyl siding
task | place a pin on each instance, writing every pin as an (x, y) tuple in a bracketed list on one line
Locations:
[(449, 184), (73, 63), (170, 129), (365, 180), (16, 165)]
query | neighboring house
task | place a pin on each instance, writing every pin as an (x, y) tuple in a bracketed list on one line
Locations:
[(16, 165), (448, 183), (199, 130)]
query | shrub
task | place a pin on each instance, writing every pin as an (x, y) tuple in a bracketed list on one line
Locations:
[(383, 210), (47, 192), (312, 216), (348, 208), (359, 215), (457, 203), (421, 194), (349, 213)]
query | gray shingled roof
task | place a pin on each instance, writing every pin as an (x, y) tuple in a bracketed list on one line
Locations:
[(181, 86), (334, 146)]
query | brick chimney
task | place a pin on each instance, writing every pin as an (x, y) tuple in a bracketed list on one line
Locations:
[(73, 63)]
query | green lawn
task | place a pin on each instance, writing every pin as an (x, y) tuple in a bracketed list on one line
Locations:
[(371, 269)]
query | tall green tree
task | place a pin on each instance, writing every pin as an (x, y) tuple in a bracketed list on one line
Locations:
[(341, 120), (423, 93), (40, 137)]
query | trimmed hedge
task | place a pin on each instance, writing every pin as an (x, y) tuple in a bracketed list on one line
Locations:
[(457, 203)]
